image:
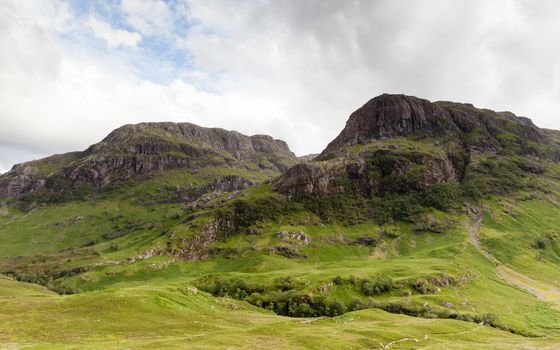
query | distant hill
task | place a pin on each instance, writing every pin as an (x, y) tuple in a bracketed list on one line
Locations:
[(146, 149)]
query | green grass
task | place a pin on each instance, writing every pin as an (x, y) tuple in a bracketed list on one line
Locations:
[(180, 318), (146, 303), (512, 236)]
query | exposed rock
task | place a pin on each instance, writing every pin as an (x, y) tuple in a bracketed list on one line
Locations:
[(368, 175), (19, 180), (366, 241), (198, 247), (146, 255), (308, 157), (231, 183), (266, 144), (294, 237), (310, 177), (447, 304)]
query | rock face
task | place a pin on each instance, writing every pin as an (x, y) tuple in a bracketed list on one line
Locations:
[(389, 116), (24, 179), (398, 143), (31, 176), (375, 174), (146, 149)]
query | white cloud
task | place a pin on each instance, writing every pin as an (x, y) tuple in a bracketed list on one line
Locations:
[(149, 17), (113, 37)]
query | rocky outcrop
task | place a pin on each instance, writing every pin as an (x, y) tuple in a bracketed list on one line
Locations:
[(307, 178), (21, 179), (370, 174), (266, 144), (31, 176), (196, 247), (231, 183)]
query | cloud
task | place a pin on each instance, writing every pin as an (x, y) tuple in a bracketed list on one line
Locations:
[(149, 17), (113, 37), (325, 58), (292, 69)]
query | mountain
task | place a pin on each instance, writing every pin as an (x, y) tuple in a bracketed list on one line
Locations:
[(421, 225), (142, 150), (399, 144)]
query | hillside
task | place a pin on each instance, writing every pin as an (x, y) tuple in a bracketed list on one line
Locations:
[(422, 225)]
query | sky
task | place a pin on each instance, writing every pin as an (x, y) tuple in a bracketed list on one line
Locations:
[(72, 71)]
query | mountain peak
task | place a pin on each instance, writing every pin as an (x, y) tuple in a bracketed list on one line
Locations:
[(387, 116), (146, 149)]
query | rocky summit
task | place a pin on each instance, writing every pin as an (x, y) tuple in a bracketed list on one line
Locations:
[(423, 225), (389, 116)]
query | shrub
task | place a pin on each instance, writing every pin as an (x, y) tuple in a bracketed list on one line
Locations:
[(367, 287), (357, 304), (336, 308), (285, 283), (381, 284), (398, 207), (490, 319), (338, 280), (541, 243), (442, 196)]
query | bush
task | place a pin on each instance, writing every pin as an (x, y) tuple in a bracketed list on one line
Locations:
[(357, 304), (345, 208), (490, 319), (338, 280), (381, 284), (336, 308), (398, 207), (442, 196), (542, 243), (285, 283)]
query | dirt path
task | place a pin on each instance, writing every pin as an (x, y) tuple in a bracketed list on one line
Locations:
[(539, 289), (427, 337), (388, 345)]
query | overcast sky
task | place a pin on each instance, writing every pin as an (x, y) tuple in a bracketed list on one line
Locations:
[(71, 71)]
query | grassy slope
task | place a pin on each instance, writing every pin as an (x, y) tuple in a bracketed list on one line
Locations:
[(146, 304), (172, 318)]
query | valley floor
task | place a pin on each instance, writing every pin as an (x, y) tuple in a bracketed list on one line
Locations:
[(175, 318)]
